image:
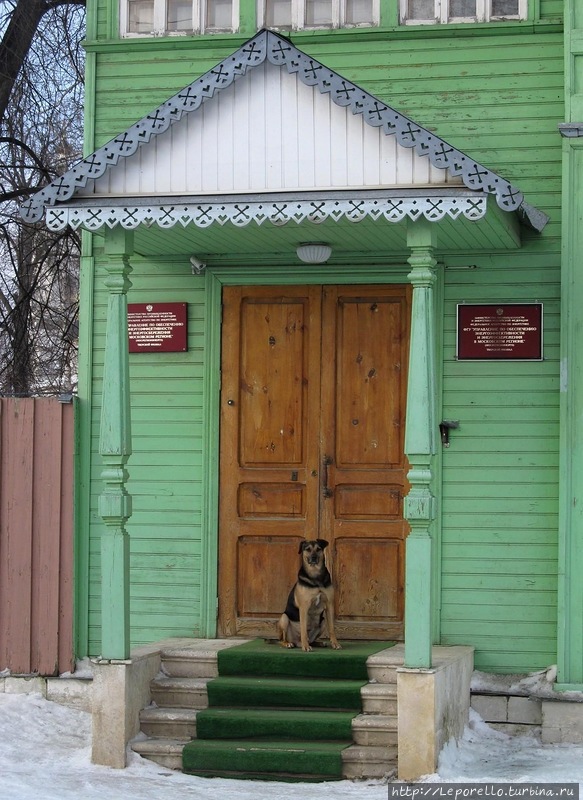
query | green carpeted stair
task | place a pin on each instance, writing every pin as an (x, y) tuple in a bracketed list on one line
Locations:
[(246, 723), (264, 760), (284, 692), (279, 714)]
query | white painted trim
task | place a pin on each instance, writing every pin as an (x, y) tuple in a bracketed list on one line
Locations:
[(269, 46), (441, 13), (241, 214), (160, 20), (338, 16)]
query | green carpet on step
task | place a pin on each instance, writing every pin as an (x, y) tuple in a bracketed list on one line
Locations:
[(275, 760), (283, 692), (247, 723), (259, 657)]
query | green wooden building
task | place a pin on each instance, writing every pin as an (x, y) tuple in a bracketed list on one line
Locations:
[(347, 232)]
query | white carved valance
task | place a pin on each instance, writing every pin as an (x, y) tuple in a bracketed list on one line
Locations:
[(276, 212)]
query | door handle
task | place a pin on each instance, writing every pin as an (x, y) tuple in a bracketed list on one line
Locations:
[(326, 491)]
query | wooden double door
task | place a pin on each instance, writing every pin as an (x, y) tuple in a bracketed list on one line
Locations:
[(312, 437)]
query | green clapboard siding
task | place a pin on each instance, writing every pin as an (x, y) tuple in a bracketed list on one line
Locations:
[(497, 97), (164, 468), (500, 478), (551, 9)]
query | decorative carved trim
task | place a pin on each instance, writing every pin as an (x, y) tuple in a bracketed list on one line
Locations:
[(379, 114), (280, 52), (277, 213)]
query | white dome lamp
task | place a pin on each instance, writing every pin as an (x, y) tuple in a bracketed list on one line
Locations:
[(314, 252)]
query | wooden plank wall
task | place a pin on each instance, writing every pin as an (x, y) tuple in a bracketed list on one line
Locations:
[(36, 535), (165, 468), (495, 96)]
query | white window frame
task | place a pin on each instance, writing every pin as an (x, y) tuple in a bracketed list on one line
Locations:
[(298, 17), (160, 20), (441, 8)]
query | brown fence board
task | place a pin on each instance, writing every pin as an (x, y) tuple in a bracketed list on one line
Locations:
[(66, 572), (36, 535)]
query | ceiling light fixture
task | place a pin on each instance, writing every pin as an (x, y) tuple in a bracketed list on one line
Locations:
[(314, 252)]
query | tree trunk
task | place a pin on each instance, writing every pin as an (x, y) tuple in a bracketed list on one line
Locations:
[(16, 43), (21, 369)]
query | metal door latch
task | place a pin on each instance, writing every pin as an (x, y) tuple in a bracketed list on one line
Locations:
[(445, 426)]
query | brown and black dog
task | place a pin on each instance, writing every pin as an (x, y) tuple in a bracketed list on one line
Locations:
[(310, 605)]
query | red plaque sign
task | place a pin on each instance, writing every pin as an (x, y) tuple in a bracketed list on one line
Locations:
[(500, 331), (157, 327)]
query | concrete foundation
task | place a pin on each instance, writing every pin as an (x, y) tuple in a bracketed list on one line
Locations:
[(73, 692), (120, 690), (515, 715), (433, 708), (562, 721)]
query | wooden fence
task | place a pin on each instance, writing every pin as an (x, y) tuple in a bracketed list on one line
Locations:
[(37, 443)]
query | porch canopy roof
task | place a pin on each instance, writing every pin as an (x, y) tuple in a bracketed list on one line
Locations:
[(271, 148)]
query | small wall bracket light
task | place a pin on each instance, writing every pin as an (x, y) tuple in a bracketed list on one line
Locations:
[(445, 426), (197, 265)]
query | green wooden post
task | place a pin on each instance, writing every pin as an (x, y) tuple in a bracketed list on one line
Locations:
[(115, 447), (570, 596), (420, 446)]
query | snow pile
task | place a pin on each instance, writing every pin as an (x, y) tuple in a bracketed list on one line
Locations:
[(487, 755), (538, 684), (45, 754), (83, 670)]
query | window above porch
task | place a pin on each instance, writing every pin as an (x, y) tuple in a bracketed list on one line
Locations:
[(417, 12), (146, 18)]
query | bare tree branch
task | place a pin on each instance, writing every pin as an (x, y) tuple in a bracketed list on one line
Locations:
[(23, 146), (40, 138), (17, 41)]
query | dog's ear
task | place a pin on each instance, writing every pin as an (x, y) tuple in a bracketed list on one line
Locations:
[(323, 543), (302, 546)]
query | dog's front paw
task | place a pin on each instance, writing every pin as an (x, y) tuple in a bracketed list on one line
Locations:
[(307, 648), (336, 646)]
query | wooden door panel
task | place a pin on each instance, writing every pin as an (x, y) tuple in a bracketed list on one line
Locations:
[(312, 428), (269, 449), (373, 565), (369, 380), (271, 499), (273, 364), (363, 422), (266, 573), (367, 501)]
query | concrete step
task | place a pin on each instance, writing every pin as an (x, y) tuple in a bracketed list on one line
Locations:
[(382, 667), (179, 692), (360, 761), (195, 659), (375, 730), (166, 752), (168, 723), (379, 698)]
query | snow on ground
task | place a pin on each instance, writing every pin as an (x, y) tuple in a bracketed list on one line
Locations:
[(486, 755), (45, 754)]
